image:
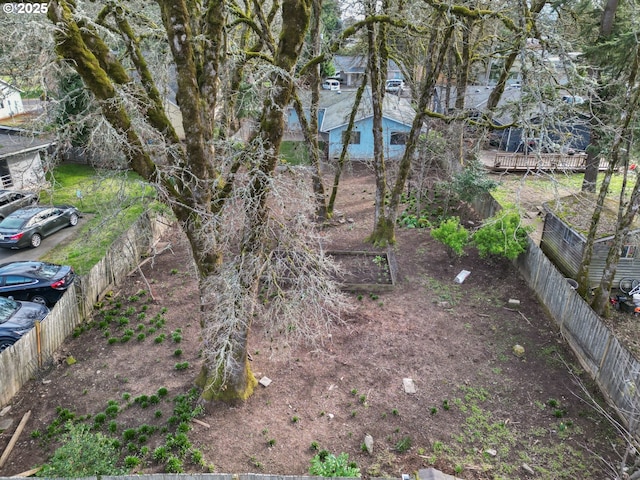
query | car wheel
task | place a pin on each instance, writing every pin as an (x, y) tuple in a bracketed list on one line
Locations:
[(39, 299), (73, 220), (4, 344), (36, 240)]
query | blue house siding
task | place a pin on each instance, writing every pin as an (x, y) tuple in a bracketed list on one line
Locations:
[(334, 111), (293, 122), (364, 150)]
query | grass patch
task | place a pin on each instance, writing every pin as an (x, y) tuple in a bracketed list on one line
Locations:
[(555, 186), (97, 449), (441, 292), (294, 153), (111, 201), (483, 431)]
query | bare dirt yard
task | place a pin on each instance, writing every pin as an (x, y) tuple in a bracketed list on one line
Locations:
[(479, 411)]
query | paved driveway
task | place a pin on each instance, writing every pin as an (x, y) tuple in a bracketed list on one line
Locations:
[(64, 235)]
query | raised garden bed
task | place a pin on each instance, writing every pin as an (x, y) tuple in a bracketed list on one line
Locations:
[(366, 271)]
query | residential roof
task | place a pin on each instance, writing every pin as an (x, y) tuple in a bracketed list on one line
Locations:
[(576, 211), (477, 96), (5, 86), (509, 108), (338, 105), (358, 64), (16, 140)]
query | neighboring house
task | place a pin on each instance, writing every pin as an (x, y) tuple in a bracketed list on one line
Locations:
[(21, 154), (570, 132), (350, 69), (564, 234), (10, 101), (333, 118)]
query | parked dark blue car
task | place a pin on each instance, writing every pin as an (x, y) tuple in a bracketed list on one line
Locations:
[(28, 226), (34, 281), (17, 318)]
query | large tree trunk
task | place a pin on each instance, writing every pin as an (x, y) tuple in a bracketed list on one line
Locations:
[(238, 382), (190, 177), (593, 152), (381, 235), (312, 140), (384, 232)]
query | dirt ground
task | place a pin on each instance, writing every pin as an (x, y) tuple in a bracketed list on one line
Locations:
[(479, 411)]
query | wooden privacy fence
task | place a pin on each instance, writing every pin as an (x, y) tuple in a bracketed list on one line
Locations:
[(521, 162), (610, 364), (21, 362)]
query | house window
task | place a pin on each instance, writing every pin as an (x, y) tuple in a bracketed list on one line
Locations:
[(628, 251), (354, 139), (399, 138)]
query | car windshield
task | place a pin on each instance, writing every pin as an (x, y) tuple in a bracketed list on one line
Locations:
[(47, 270), (7, 308), (12, 223)]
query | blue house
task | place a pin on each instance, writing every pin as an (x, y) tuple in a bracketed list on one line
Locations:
[(333, 118)]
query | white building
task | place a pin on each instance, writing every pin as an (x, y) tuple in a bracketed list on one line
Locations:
[(21, 158), (10, 101)]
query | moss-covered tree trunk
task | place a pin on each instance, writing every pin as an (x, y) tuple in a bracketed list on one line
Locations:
[(439, 45), (377, 60), (192, 177), (345, 145), (239, 382), (622, 139), (316, 159)]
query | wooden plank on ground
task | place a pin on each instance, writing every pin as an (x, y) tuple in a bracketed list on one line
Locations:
[(14, 438)]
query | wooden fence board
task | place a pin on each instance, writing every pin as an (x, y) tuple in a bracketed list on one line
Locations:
[(610, 364), (19, 363)]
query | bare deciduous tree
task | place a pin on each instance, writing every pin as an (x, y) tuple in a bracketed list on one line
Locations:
[(222, 194)]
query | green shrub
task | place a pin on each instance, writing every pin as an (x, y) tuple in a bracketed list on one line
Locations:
[(403, 444), (131, 461), (161, 453), (502, 235), (453, 235), (326, 464), (174, 465), (82, 454), (113, 426), (197, 457), (472, 181), (100, 418)]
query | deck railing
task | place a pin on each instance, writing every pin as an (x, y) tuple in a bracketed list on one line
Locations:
[(506, 161)]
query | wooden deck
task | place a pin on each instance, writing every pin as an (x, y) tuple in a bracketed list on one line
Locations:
[(519, 162)]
